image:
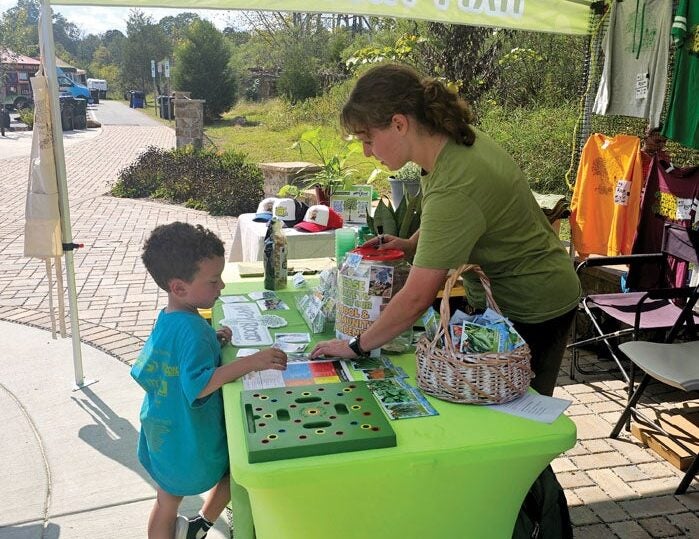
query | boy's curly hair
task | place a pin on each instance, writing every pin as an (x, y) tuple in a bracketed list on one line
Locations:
[(173, 251)]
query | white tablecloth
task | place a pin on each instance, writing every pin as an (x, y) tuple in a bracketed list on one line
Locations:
[(248, 241)]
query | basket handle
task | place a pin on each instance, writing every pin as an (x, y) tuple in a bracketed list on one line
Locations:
[(445, 310)]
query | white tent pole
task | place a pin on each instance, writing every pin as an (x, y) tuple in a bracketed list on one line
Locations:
[(49, 61)]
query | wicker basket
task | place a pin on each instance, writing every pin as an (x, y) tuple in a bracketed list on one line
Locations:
[(487, 378)]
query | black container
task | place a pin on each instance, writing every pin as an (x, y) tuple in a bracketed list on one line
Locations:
[(79, 113), (4, 118), (95, 95), (66, 112)]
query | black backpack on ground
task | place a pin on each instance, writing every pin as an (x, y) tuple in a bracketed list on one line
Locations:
[(544, 513)]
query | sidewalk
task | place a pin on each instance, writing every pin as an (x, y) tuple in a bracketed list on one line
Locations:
[(69, 457)]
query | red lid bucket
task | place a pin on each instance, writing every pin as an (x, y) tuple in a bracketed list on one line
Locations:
[(371, 254)]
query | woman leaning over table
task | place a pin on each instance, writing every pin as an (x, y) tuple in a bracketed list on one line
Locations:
[(477, 208)]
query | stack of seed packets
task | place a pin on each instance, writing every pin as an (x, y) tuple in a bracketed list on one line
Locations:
[(400, 400), (376, 368), (387, 382), (481, 333), (268, 301)]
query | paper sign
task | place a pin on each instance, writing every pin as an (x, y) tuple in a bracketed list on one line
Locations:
[(250, 332), (622, 192)]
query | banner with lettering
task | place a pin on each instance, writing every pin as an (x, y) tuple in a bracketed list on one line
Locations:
[(557, 16)]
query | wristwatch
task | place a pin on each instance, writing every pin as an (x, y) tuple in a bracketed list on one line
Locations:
[(356, 348)]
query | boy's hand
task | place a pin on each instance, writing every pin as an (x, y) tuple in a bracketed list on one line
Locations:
[(271, 358), (224, 335)]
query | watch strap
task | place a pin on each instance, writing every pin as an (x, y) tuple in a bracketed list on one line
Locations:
[(355, 347)]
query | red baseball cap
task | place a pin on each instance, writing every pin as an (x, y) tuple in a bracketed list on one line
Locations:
[(319, 218)]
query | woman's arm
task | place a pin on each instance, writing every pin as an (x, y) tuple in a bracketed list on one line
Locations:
[(418, 293)]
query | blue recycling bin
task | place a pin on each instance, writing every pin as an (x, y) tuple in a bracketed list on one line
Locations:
[(138, 99)]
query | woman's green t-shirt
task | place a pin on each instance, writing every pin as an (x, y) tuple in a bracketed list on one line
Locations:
[(478, 208)]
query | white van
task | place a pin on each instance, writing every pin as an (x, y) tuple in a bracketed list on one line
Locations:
[(98, 84)]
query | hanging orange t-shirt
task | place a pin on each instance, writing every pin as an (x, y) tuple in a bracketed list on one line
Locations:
[(607, 196)]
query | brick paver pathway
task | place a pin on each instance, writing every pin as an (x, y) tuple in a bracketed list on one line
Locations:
[(615, 488), (117, 301)]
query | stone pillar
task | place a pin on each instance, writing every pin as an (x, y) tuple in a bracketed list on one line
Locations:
[(279, 174), (189, 122)]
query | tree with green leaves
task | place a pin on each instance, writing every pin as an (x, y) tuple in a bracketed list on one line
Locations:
[(202, 67), (145, 41)]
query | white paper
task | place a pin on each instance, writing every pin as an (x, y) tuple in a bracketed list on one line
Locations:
[(234, 299), (532, 406), (263, 379)]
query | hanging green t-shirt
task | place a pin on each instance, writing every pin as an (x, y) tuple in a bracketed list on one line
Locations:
[(477, 208), (682, 122)]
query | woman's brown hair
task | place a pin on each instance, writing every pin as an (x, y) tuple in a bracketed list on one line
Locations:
[(391, 89)]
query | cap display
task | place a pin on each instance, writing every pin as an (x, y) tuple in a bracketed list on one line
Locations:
[(290, 211), (319, 218), (264, 210)]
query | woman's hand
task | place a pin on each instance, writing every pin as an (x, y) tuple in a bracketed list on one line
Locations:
[(388, 241), (333, 348)]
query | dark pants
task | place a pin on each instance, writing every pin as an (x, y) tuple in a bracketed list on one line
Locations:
[(547, 342)]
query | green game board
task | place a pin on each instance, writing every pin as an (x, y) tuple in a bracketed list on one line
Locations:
[(291, 422)]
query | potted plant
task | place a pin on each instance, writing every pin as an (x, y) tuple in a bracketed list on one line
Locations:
[(405, 180), (335, 174), (401, 221)]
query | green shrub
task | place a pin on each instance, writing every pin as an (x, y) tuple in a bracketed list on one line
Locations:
[(220, 183), (26, 116), (539, 140)]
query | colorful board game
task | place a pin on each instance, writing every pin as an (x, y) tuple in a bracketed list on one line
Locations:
[(302, 421)]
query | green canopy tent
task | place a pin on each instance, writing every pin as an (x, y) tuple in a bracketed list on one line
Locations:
[(555, 16)]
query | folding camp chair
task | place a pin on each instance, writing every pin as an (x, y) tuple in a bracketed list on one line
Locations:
[(673, 363), (637, 311)]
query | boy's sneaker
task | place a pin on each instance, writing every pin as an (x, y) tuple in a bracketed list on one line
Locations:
[(194, 528)]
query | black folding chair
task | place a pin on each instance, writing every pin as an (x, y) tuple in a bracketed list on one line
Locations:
[(634, 312), (673, 363)]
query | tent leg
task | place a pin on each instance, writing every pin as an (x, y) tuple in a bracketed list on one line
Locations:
[(80, 381)]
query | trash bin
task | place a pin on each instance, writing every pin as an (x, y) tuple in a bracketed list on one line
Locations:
[(102, 94), (79, 113), (66, 103), (95, 95), (165, 107), (171, 106), (138, 99)]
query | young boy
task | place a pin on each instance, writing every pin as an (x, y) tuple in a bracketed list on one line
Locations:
[(183, 439)]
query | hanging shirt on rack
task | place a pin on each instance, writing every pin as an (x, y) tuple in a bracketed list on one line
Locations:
[(636, 48), (671, 196), (682, 123), (607, 195)]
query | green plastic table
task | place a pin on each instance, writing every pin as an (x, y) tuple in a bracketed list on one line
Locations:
[(461, 474)]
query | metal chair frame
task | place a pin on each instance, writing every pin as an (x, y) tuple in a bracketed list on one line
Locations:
[(647, 304), (686, 319)]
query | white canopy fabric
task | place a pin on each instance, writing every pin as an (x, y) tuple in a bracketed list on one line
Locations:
[(555, 16), (42, 225)]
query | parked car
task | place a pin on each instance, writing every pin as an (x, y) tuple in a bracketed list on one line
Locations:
[(67, 86)]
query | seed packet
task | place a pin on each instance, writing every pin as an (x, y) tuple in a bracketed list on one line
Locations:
[(430, 321), (272, 304), (479, 339)]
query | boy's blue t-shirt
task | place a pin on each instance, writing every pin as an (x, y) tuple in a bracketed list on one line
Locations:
[(182, 443)]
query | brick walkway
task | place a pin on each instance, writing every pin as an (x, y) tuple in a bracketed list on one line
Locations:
[(117, 301), (615, 488)]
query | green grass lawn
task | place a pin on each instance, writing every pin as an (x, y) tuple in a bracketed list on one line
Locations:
[(271, 134)]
